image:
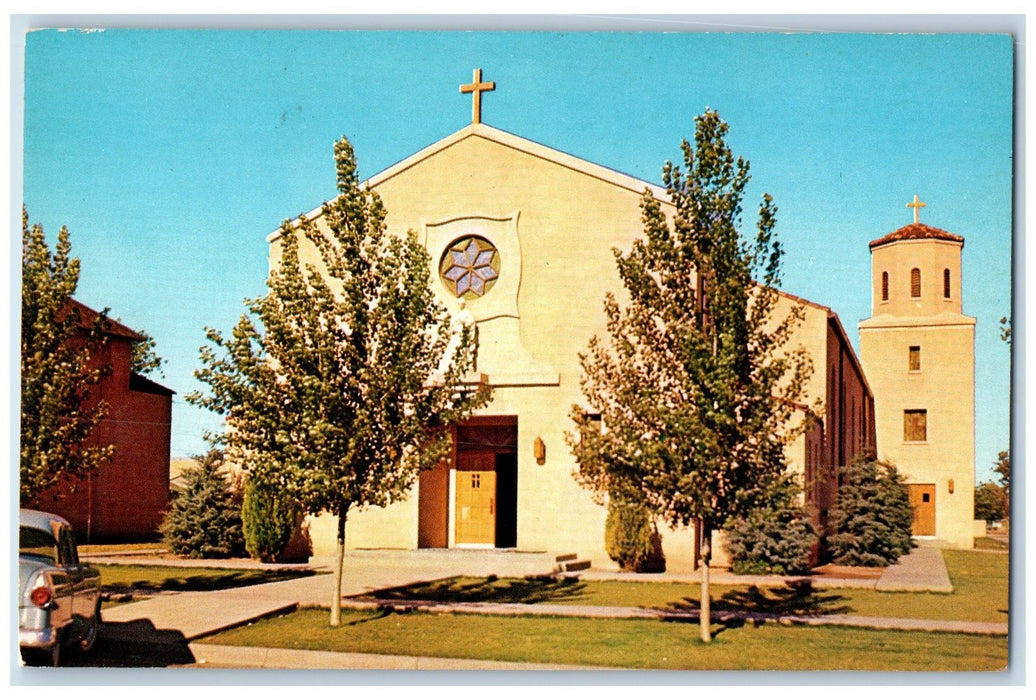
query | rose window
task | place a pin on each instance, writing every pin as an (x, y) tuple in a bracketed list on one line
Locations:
[(470, 267)]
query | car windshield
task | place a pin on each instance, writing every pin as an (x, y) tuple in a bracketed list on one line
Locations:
[(37, 543)]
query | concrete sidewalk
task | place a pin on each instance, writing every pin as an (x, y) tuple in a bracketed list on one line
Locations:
[(198, 614)]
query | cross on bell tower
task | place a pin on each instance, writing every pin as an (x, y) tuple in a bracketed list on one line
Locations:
[(916, 206), (477, 87)]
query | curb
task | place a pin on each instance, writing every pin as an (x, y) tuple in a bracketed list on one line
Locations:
[(217, 656)]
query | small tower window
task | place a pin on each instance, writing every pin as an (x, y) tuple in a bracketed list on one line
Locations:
[(884, 286), (915, 283), (915, 358), (946, 283), (915, 425)]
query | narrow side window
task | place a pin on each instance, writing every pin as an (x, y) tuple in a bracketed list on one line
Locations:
[(884, 286), (915, 283)]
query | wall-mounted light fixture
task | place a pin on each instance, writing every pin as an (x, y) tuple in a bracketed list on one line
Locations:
[(539, 451), (951, 485)]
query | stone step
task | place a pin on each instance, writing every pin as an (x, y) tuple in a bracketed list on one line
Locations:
[(566, 557), (580, 565)]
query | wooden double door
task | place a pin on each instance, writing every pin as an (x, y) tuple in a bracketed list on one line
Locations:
[(485, 492)]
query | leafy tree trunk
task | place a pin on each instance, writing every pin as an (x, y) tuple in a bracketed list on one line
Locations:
[(705, 618), (336, 594)]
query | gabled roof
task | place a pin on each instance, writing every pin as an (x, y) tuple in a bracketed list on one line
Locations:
[(508, 140), (912, 232), (87, 317)]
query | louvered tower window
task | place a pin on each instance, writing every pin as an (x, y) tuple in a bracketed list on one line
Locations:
[(884, 286), (915, 283)]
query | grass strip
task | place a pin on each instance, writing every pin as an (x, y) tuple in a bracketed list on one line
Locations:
[(635, 644)]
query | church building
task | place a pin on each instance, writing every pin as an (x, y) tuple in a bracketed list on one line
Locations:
[(520, 237)]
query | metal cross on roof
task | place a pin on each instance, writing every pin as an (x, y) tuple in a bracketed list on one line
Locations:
[(916, 206), (477, 87)]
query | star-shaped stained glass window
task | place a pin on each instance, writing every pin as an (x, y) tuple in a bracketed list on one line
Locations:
[(470, 267)]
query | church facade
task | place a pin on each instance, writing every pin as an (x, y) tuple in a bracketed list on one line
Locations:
[(521, 237)]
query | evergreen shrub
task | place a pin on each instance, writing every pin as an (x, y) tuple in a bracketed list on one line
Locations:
[(871, 521), (204, 517), (777, 538), (630, 538), (268, 521)]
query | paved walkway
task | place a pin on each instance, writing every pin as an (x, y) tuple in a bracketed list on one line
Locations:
[(197, 614)]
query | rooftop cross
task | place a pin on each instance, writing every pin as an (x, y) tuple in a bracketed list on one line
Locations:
[(916, 206), (477, 87)]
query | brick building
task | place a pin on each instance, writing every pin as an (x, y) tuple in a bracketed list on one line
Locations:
[(125, 498)]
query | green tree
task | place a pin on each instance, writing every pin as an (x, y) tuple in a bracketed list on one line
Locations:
[(143, 358), (695, 386), (204, 517), (342, 388), (58, 370), (873, 517), (990, 502), (1002, 467)]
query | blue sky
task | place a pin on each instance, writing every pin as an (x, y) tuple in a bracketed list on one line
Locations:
[(170, 155)]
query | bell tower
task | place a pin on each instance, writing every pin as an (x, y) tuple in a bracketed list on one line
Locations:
[(918, 352)]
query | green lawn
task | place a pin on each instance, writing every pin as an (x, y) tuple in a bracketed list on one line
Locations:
[(979, 580), (624, 643)]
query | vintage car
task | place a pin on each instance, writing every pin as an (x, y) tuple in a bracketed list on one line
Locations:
[(59, 599)]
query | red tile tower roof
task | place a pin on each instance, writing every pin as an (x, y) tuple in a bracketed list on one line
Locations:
[(913, 232)]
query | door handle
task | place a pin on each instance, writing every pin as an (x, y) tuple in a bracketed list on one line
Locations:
[(492, 505)]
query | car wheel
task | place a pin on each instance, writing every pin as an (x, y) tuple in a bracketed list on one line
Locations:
[(90, 638)]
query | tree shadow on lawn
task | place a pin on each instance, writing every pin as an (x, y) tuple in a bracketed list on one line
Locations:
[(489, 589), (204, 582), (738, 608), (794, 598)]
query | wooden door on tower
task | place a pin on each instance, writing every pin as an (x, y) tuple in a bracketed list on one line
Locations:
[(476, 498), (922, 500)]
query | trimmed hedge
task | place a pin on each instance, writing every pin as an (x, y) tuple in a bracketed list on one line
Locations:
[(268, 521), (631, 539)]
